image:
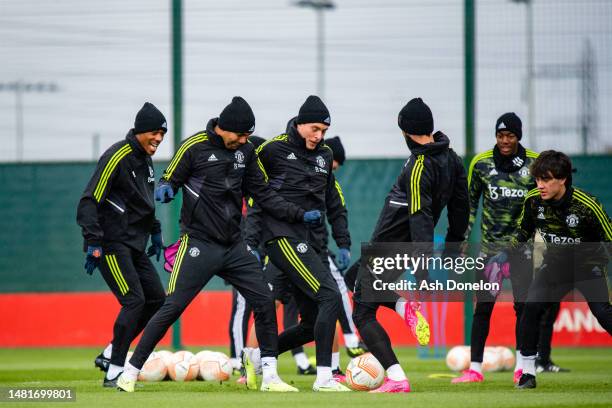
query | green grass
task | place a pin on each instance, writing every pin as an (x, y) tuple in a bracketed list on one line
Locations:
[(588, 385)]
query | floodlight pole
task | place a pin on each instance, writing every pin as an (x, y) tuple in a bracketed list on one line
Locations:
[(20, 87), (319, 6), (177, 125)]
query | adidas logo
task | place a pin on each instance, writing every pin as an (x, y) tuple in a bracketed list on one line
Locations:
[(327, 120), (517, 161), (164, 125), (502, 125), (212, 157), (252, 129), (291, 156), (493, 172)]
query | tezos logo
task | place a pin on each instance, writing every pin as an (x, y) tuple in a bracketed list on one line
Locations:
[(194, 252), (496, 191), (572, 220), (302, 248)]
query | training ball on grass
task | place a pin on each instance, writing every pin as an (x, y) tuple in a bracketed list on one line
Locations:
[(458, 358), (215, 366), (183, 366), (491, 360), (154, 369), (507, 357), (364, 373), (166, 356), (203, 355)]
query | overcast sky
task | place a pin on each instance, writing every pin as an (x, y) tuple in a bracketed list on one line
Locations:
[(108, 57)]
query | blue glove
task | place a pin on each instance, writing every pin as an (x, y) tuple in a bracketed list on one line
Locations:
[(157, 244), (344, 259), (92, 260), (164, 193), (312, 217)]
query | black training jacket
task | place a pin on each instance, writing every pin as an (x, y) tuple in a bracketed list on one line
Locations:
[(214, 181), (432, 178), (303, 177), (117, 204)]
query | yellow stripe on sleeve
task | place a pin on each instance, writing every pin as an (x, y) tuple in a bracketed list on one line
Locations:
[(201, 137), (108, 170)]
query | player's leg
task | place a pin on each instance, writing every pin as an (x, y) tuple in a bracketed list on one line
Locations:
[(545, 288), (303, 266), (481, 322), (378, 342), (290, 319), (543, 361), (238, 327), (242, 269), (353, 346), (196, 262), (521, 276), (118, 270), (593, 284), (152, 287)]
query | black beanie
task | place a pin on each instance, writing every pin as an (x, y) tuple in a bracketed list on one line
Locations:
[(510, 122), (256, 140), (237, 117), (335, 145), (313, 111), (415, 118), (148, 119)]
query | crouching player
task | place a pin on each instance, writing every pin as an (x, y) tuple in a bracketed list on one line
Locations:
[(576, 230)]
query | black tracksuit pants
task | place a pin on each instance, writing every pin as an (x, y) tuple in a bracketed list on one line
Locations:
[(372, 333), (197, 261), (316, 295), (132, 278), (239, 323), (521, 272), (550, 286)]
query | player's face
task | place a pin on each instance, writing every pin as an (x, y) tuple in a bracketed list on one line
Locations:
[(312, 133), (150, 141), (233, 140), (550, 188), (507, 142)]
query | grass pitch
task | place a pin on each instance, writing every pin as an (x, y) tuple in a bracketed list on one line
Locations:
[(588, 385)]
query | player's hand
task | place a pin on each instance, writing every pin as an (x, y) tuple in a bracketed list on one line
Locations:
[(157, 245), (164, 193), (344, 259), (496, 269), (92, 259), (312, 217)]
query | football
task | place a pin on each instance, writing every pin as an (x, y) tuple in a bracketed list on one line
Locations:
[(154, 369), (215, 366), (458, 358), (364, 373), (183, 366)]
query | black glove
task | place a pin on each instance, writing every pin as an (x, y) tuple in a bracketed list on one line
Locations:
[(157, 244), (92, 260)]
